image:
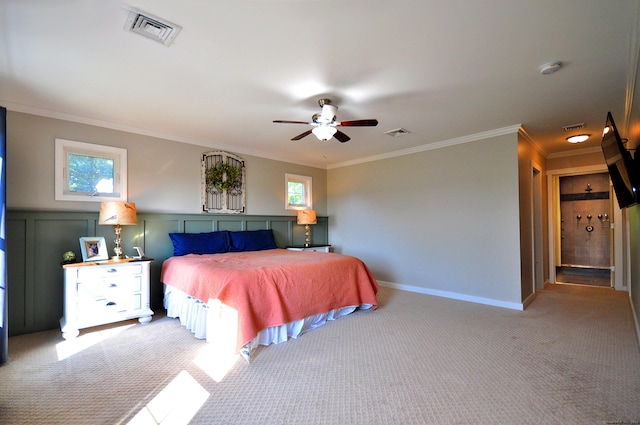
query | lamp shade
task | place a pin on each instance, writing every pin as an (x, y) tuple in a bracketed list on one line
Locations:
[(307, 217), (324, 132), (122, 213)]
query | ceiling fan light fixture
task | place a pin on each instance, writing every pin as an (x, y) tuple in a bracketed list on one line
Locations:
[(579, 138), (324, 132), (324, 123)]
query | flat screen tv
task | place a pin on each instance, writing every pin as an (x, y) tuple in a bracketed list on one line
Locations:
[(623, 169)]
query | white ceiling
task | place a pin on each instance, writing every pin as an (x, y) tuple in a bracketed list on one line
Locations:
[(442, 69)]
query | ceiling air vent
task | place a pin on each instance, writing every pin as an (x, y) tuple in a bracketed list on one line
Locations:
[(573, 127), (152, 27), (397, 132)]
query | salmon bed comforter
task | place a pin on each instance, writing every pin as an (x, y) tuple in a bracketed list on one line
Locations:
[(272, 287)]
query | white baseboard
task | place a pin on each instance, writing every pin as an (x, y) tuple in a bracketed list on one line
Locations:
[(529, 300), (454, 295)]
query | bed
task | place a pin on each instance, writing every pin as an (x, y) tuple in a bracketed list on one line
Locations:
[(239, 291)]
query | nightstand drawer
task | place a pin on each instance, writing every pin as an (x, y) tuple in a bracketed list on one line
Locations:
[(116, 286), (108, 271), (100, 307), (109, 295)]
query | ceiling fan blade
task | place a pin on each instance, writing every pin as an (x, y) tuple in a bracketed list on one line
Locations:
[(301, 135), (341, 136), (290, 122), (359, 123)]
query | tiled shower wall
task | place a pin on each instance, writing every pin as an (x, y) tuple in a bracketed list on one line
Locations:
[(585, 217)]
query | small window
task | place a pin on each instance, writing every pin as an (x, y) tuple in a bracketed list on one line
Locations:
[(298, 192), (92, 173)]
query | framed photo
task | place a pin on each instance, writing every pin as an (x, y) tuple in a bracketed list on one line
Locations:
[(93, 249)]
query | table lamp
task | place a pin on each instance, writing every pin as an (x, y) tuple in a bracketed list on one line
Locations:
[(307, 217), (118, 214)]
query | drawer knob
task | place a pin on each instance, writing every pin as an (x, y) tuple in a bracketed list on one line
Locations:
[(113, 285), (112, 271), (110, 303)]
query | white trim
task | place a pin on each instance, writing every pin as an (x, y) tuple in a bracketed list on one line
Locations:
[(537, 146), (307, 181), (529, 300), (537, 250), (431, 146), (15, 107), (587, 169), (576, 152), (119, 155), (453, 295)]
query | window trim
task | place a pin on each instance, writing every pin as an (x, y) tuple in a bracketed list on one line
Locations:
[(65, 147), (307, 181)]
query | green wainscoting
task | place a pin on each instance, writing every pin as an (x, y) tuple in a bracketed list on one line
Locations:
[(37, 239)]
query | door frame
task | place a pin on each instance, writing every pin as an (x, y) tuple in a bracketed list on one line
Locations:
[(537, 251), (619, 244)]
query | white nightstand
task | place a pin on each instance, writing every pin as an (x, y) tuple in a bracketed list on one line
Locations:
[(316, 248), (105, 292)]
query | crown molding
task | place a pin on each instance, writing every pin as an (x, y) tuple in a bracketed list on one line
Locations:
[(431, 146), (16, 107), (564, 154)]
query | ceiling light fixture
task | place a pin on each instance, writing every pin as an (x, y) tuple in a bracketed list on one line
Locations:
[(579, 138), (324, 132), (550, 68)]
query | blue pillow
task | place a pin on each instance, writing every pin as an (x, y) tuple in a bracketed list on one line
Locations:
[(252, 240), (200, 243)]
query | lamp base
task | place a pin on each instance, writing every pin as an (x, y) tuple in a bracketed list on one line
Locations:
[(118, 241), (307, 235)]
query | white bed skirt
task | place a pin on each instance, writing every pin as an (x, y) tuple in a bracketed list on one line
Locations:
[(194, 315)]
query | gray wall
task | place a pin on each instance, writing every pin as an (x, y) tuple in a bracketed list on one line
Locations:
[(441, 220), (163, 175)]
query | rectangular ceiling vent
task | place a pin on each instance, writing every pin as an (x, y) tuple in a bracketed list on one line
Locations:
[(397, 132), (152, 27), (573, 127)]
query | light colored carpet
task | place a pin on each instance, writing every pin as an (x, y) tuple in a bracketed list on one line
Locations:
[(570, 358)]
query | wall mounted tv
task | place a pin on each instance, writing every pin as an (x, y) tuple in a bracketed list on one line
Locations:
[(623, 169)]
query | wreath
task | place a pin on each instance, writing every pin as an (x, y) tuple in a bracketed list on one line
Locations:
[(216, 176)]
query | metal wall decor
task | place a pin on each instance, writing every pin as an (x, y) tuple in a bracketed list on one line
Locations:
[(223, 183)]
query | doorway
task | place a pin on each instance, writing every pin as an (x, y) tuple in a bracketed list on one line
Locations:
[(585, 230)]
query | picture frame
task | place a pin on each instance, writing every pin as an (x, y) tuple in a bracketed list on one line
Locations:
[(93, 249)]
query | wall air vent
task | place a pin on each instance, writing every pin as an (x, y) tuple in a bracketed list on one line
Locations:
[(397, 132), (152, 27)]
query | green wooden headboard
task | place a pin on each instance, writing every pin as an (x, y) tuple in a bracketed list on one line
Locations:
[(36, 241)]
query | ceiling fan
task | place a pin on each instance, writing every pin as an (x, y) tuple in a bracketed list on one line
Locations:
[(324, 124)]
